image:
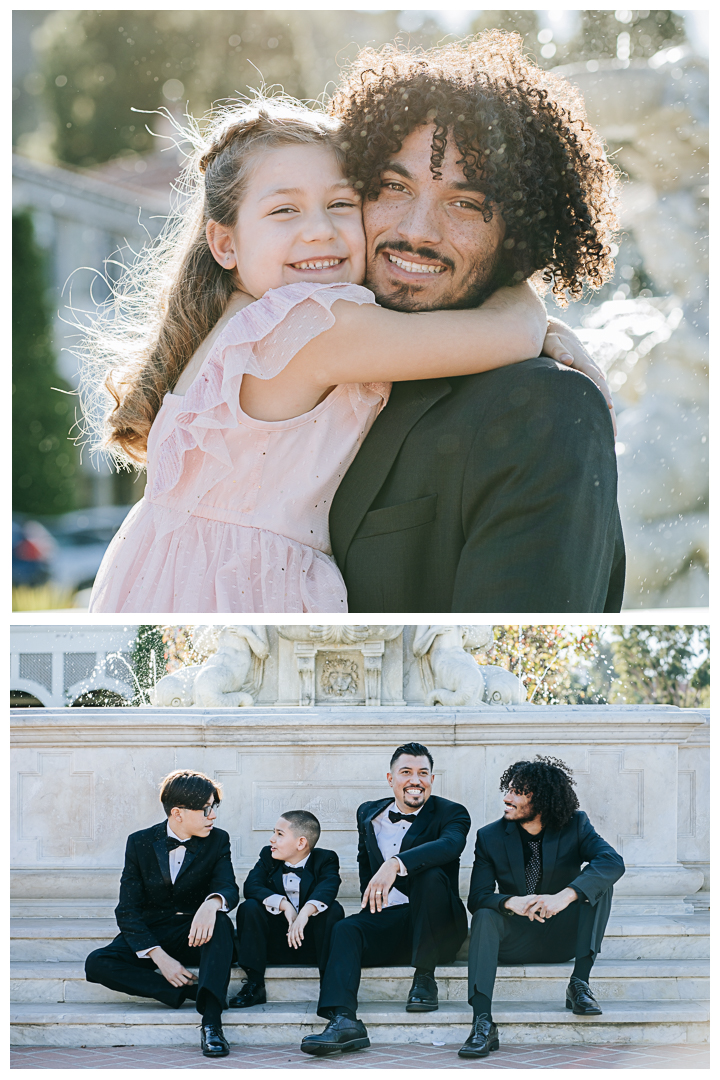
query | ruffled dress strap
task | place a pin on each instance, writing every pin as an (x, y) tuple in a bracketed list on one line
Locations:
[(259, 340)]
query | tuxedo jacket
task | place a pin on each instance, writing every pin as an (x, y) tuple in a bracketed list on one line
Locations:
[(483, 493), (499, 860), (147, 895), (319, 878), (436, 838)]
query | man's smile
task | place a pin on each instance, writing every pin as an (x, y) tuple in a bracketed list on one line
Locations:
[(412, 267)]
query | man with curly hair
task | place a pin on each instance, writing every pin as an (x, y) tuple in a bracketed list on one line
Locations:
[(546, 910), (496, 491)]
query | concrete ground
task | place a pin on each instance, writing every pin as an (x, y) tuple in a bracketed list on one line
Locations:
[(685, 1056)]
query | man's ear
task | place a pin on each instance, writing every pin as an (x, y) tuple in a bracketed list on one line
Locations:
[(221, 243)]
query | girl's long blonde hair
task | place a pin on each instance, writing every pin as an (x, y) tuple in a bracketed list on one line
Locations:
[(173, 293)]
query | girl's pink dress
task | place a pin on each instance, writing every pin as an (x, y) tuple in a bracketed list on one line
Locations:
[(235, 514)]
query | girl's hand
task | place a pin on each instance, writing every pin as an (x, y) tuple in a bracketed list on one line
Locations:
[(563, 345)]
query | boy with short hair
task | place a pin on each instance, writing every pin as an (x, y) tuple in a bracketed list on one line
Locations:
[(176, 888), (290, 907)]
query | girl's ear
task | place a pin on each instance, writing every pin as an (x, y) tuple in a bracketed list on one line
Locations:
[(221, 243)]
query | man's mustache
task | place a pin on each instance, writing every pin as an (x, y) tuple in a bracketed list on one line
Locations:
[(408, 249)]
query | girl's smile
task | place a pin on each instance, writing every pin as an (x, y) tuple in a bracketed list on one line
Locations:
[(299, 220)]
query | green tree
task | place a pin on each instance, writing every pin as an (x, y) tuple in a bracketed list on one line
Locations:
[(97, 66), (551, 661), (45, 460), (148, 659), (661, 665)]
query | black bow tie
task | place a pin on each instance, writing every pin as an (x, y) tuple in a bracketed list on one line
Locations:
[(191, 843), (395, 817), (288, 869)]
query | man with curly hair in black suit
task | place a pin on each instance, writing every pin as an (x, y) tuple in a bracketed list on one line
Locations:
[(546, 910), (497, 491)]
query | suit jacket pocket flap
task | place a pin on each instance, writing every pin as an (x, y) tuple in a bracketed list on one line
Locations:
[(401, 516)]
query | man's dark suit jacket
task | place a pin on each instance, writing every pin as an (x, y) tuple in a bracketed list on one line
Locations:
[(499, 859), (319, 878), (437, 837), (148, 897), (490, 492)]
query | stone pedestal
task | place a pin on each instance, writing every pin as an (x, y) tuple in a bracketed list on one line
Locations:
[(84, 779)]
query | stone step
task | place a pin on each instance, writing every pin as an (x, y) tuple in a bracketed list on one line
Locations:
[(521, 1022), (612, 980), (646, 937)]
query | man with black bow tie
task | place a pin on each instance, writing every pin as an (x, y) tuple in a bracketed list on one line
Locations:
[(531, 901), (409, 851), (176, 889), (290, 906)]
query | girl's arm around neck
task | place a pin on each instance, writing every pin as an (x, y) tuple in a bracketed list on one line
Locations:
[(373, 344)]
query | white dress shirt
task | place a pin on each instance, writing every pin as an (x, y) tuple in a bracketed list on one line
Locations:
[(291, 885), (389, 836), (176, 857)]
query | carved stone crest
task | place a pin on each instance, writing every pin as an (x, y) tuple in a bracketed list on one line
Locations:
[(340, 676)]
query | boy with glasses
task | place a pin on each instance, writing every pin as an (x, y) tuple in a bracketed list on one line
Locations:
[(176, 890)]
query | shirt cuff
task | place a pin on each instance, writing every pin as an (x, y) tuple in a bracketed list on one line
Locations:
[(223, 905), (144, 953), (582, 898), (272, 903), (318, 904), (402, 872)]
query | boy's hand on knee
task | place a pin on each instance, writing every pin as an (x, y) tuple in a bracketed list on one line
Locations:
[(288, 911), (171, 969), (203, 924), (296, 932)]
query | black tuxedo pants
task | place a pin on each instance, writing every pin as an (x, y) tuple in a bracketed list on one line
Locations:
[(500, 939), (425, 932), (118, 967), (262, 937)]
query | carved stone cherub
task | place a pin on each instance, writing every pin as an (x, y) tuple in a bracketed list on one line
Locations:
[(450, 674), (231, 676)]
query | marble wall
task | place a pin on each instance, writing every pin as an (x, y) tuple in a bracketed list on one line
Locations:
[(84, 779)]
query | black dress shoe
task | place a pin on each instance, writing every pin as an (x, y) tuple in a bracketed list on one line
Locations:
[(423, 996), (250, 993), (213, 1041), (580, 998), (340, 1036), (482, 1039)]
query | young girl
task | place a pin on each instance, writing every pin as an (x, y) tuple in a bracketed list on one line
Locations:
[(253, 364)]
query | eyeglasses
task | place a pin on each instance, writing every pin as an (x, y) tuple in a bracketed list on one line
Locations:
[(207, 810)]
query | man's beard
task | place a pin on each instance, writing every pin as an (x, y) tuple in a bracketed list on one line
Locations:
[(529, 815), (481, 282)]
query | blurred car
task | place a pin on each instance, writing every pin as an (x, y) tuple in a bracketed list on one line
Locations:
[(32, 551), (81, 539)]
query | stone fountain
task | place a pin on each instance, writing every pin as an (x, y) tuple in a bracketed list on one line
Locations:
[(654, 117)]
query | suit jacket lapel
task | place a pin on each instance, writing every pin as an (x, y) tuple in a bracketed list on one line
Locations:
[(370, 837), (307, 879), (277, 878), (549, 857), (163, 856), (513, 846), (371, 466), (419, 825), (187, 859)]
